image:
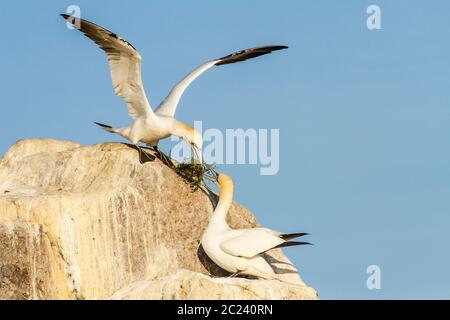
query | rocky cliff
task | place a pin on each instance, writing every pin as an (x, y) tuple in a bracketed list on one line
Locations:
[(93, 222)]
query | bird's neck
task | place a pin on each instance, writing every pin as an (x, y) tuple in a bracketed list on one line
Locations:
[(190, 135), (218, 218), (184, 131)]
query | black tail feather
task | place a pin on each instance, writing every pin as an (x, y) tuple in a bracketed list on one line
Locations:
[(292, 243), (288, 244), (289, 236)]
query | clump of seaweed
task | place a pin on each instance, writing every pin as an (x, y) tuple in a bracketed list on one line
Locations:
[(192, 171), (196, 173)]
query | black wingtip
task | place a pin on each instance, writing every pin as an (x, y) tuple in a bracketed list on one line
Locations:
[(103, 125), (248, 54), (69, 18)]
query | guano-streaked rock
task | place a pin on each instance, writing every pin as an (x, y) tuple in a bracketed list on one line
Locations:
[(93, 222)]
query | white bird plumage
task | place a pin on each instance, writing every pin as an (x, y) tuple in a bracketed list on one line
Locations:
[(125, 66), (238, 251)]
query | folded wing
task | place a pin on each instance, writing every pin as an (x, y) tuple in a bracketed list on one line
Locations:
[(248, 243)]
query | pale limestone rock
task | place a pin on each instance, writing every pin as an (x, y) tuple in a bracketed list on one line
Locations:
[(93, 222), (185, 284)]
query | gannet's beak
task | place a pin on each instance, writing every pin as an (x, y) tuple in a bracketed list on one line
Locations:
[(197, 151), (210, 173)]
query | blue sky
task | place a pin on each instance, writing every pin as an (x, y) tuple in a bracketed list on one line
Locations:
[(363, 116)]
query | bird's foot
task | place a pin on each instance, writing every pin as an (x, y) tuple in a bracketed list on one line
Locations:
[(167, 160), (148, 156)]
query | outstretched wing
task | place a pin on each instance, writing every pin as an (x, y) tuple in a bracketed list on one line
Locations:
[(170, 103), (251, 242), (124, 64)]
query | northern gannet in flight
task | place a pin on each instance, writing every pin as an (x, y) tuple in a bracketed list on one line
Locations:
[(125, 65), (238, 251)]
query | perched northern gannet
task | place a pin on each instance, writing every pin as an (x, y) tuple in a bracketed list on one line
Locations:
[(125, 65), (238, 251)]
